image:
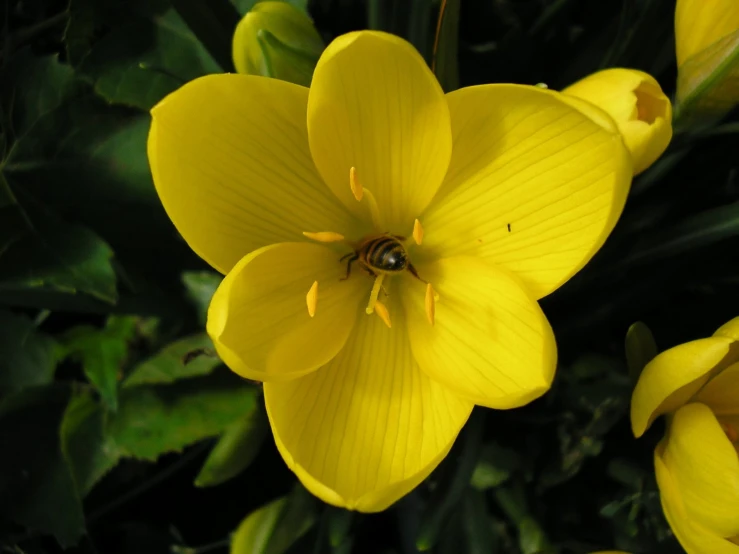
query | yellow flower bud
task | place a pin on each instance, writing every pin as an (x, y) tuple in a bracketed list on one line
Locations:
[(635, 101), (696, 464), (699, 24), (277, 40), (707, 47)]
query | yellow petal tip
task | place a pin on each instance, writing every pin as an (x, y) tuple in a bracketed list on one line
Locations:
[(311, 299), (381, 311), (431, 298), (354, 183), (324, 236), (417, 232)]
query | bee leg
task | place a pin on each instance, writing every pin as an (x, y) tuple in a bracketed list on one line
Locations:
[(415, 273), (352, 258), (399, 237), (345, 256)]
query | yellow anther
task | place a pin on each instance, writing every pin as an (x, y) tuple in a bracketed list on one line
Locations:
[(354, 183), (417, 232), (324, 236), (381, 311), (431, 298), (311, 299), (373, 295)]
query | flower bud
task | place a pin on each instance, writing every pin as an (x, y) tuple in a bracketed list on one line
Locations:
[(277, 40), (635, 101), (707, 47)]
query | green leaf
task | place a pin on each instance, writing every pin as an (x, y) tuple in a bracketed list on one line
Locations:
[(446, 51), (56, 258), (153, 420), (236, 448), (37, 489), (42, 256), (449, 492), (89, 453), (146, 58), (102, 353), (496, 464), (171, 363), (697, 231), (273, 528), (27, 356), (31, 87), (708, 82), (200, 287), (213, 23), (640, 348)]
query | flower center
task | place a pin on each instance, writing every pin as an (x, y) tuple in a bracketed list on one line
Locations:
[(380, 255)]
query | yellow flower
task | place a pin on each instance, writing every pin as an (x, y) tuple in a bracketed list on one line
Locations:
[(707, 47), (637, 104), (504, 191), (696, 463), (277, 40)]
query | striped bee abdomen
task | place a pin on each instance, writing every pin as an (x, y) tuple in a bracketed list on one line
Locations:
[(384, 254)]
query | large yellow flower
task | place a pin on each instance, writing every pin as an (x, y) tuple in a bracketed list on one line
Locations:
[(272, 183), (697, 465)]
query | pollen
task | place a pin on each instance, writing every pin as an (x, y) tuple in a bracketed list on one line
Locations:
[(417, 232), (374, 294), (381, 311), (324, 236), (311, 299), (357, 189), (431, 298)]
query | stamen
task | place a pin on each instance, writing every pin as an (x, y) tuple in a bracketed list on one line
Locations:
[(373, 295), (360, 192), (381, 311), (417, 232), (357, 189), (431, 298), (311, 299), (324, 236)]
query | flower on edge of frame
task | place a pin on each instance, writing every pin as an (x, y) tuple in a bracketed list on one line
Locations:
[(696, 384), (503, 192), (637, 104)]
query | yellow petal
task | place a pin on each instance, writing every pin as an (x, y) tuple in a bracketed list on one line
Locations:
[(258, 318), (230, 160), (673, 377), (368, 427), (699, 24), (490, 342), (374, 105), (722, 392), (534, 185), (729, 329), (704, 466), (693, 537), (637, 104)]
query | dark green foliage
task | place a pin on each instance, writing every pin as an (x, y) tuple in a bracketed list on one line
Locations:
[(120, 431)]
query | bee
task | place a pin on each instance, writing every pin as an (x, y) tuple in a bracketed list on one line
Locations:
[(384, 254)]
